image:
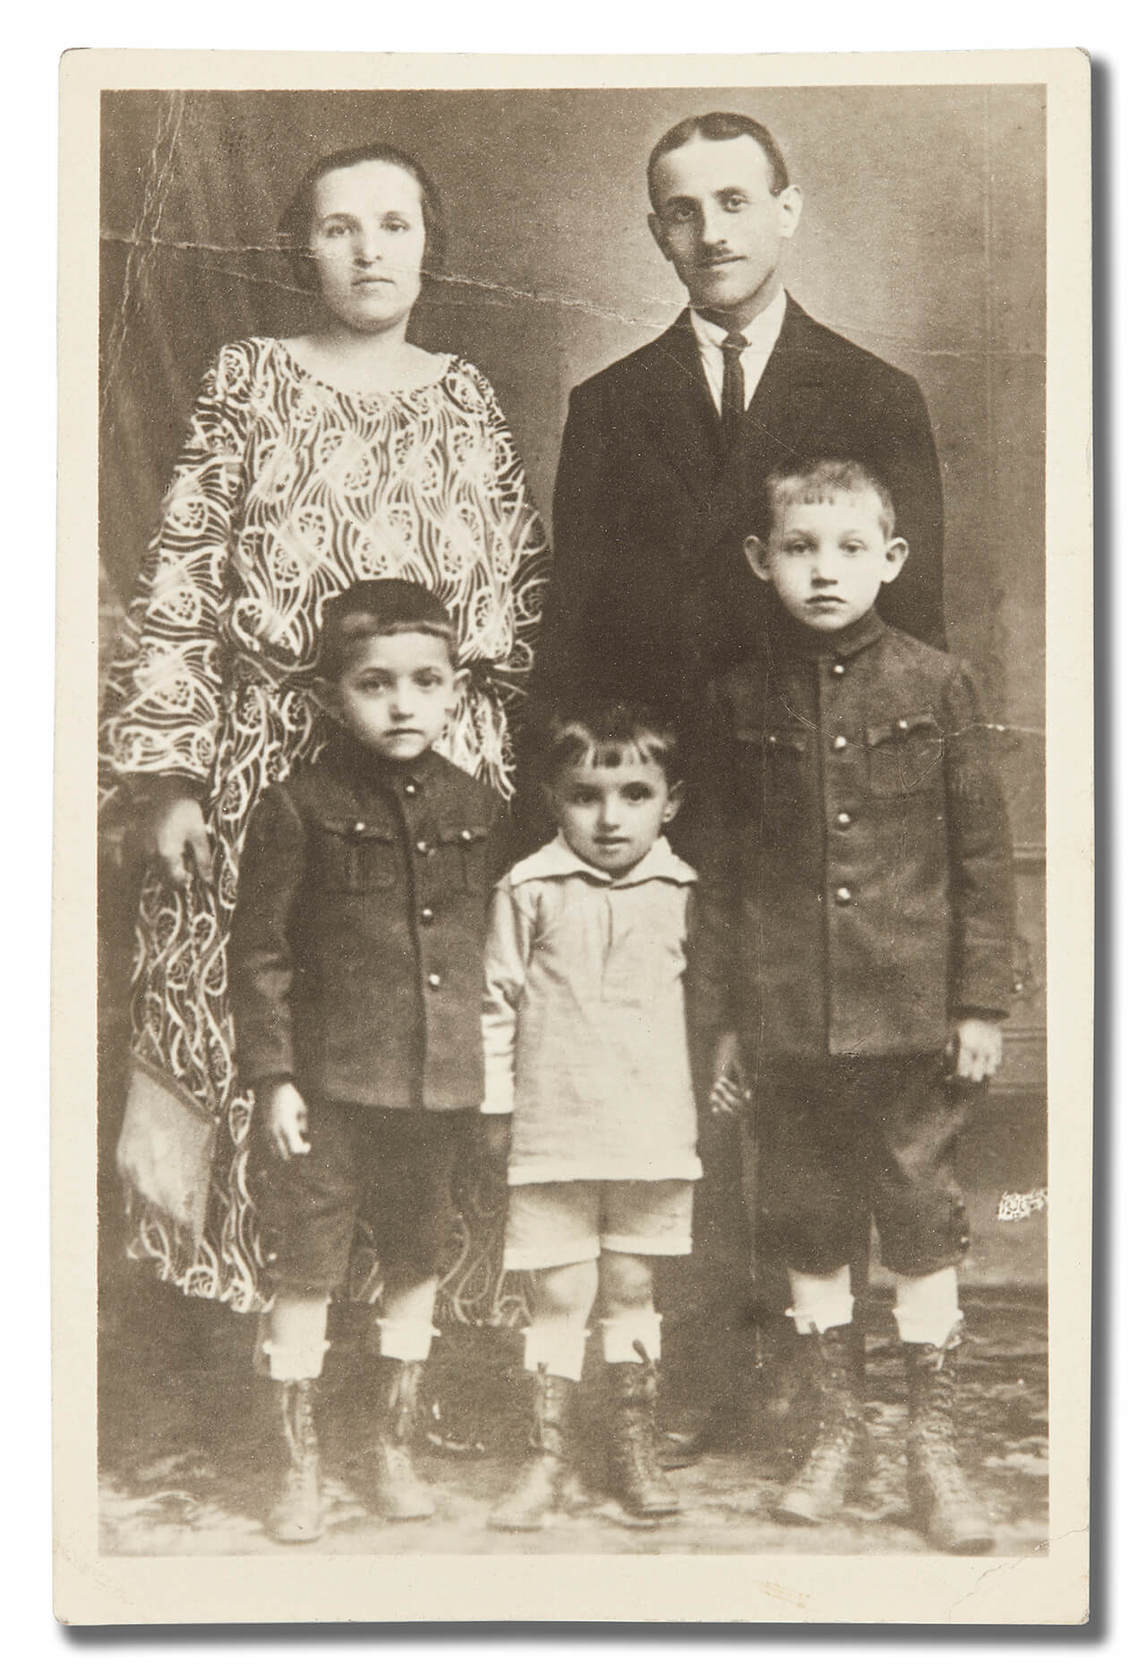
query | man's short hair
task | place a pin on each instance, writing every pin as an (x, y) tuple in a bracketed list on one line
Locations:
[(822, 479), (720, 124), (602, 732), (380, 608)]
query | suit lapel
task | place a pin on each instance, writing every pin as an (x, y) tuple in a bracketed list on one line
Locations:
[(782, 413), (678, 410)]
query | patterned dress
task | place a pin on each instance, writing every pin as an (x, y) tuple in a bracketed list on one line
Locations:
[(286, 491)]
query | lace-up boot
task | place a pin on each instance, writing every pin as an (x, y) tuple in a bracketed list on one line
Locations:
[(941, 1498), (401, 1493), (296, 1515), (638, 1475), (541, 1484), (838, 1456)]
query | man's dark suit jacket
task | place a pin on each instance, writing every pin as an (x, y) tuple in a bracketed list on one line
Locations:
[(652, 595)]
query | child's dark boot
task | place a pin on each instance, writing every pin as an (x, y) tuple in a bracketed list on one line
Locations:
[(543, 1480), (838, 1457), (638, 1476), (941, 1498), (401, 1493), (296, 1515)]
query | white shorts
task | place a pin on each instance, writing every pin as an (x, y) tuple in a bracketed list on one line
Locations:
[(571, 1222)]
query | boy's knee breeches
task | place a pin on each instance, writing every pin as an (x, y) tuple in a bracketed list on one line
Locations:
[(854, 1138), (388, 1168)]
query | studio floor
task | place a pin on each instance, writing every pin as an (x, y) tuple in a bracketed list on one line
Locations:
[(187, 1441)]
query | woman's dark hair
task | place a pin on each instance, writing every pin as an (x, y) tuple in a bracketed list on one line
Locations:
[(721, 124), (601, 733), (294, 227)]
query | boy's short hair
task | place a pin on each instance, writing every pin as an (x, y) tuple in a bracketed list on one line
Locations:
[(720, 124), (602, 732), (380, 608), (821, 479)]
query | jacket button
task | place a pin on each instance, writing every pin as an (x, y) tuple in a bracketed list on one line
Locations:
[(843, 820), (411, 787), (838, 670), (426, 915), (466, 836), (433, 981), (901, 726), (423, 847), (843, 895), (839, 742), (359, 826)]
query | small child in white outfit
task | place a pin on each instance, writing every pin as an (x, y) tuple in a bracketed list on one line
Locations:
[(588, 1088)]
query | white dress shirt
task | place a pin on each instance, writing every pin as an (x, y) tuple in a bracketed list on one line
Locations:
[(761, 335)]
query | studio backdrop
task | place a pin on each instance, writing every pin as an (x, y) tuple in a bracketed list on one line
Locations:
[(922, 238)]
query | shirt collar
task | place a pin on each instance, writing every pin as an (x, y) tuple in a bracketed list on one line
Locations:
[(366, 766), (761, 333), (557, 858)]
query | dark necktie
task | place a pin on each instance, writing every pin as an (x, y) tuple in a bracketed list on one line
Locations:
[(732, 393)]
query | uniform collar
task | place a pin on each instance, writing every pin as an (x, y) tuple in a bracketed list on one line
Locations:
[(363, 766), (557, 858), (829, 646)]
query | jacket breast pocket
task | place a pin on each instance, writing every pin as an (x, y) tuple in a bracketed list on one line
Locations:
[(354, 856), (463, 857), (770, 768), (904, 755)]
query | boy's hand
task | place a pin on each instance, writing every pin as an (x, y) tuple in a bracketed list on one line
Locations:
[(730, 1094), (976, 1048), (495, 1136), (283, 1114)]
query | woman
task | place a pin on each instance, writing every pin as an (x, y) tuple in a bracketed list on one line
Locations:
[(341, 454)]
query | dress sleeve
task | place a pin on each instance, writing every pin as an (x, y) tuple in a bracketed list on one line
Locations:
[(520, 544), (506, 959), (162, 705), (261, 962)]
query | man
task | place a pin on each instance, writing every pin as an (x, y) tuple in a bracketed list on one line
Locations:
[(664, 451)]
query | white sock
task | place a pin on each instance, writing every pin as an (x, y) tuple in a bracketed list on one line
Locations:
[(404, 1338), (821, 1302), (927, 1307), (557, 1346), (620, 1336), (292, 1337)]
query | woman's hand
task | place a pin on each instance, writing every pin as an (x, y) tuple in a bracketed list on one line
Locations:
[(282, 1111), (177, 837)]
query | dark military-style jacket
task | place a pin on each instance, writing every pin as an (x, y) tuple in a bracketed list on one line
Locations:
[(856, 891), (357, 948)]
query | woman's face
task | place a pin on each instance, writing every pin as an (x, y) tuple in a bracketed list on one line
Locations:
[(367, 238)]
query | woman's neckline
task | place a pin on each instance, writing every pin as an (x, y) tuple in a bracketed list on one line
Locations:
[(396, 392)]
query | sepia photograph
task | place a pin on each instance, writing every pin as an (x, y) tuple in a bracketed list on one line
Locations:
[(571, 559)]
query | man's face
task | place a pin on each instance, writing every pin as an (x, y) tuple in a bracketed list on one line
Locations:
[(716, 219)]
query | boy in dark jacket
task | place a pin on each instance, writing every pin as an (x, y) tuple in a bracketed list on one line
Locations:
[(854, 956), (356, 974)]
